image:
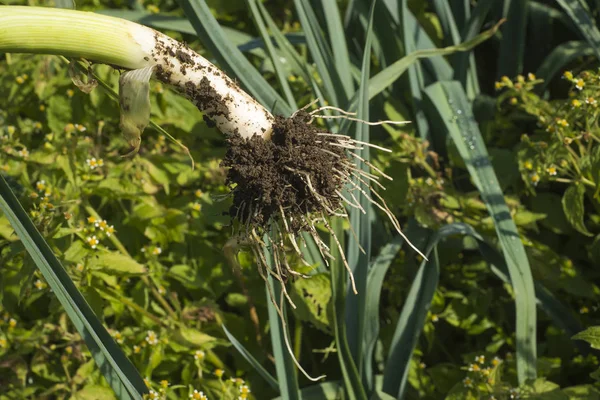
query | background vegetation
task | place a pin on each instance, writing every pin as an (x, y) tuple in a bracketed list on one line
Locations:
[(496, 177)]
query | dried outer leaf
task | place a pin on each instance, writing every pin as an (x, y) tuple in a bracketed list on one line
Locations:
[(134, 101), (85, 87)]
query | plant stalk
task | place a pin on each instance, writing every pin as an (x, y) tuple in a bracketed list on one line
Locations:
[(127, 45)]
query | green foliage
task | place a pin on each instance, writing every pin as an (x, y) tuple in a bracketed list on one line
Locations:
[(499, 186)]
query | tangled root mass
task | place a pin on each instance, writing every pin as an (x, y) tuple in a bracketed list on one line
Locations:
[(289, 173)]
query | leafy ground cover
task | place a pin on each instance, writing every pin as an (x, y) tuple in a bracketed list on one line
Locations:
[(496, 179)]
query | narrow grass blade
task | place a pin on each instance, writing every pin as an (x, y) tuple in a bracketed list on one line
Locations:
[(584, 21), (361, 222), (335, 92), (339, 278), (450, 103), (560, 57), (412, 318), (255, 364), (284, 365), (416, 79), (408, 333), (469, 31), (112, 362), (512, 46), (386, 77), (337, 40), (230, 58), (279, 70)]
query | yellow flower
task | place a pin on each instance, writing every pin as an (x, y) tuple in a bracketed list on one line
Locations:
[(3, 343), (198, 193), (80, 128), (91, 220), (70, 92), (34, 195), (93, 163), (219, 373), (24, 153), (591, 101), (79, 267), (551, 170), (576, 103), (69, 128), (152, 395), (164, 384), (156, 250), (20, 80), (562, 122), (199, 355), (40, 185), (498, 85), (101, 224), (110, 230), (37, 125), (505, 80), (162, 290), (468, 382), (152, 9), (10, 129), (496, 361), (513, 101), (118, 337), (486, 371), (39, 284), (12, 323), (531, 76), (535, 178), (480, 359), (244, 389), (568, 75), (579, 84), (196, 395), (528, 165), (69, 350), (584, 310), (196, 206), (474, 368), (152, 338), (136, 349), (92, 241), (435, 318)]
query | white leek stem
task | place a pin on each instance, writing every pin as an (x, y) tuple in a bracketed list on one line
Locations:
[(129, 45)]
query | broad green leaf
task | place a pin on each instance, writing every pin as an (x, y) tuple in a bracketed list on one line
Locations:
[(455, 114), (94, 392), (116, 368), (116, 263), (193, 337), (590, 335), (312, 297), (573, 207)]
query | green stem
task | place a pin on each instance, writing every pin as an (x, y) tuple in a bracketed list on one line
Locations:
[(44, 30)]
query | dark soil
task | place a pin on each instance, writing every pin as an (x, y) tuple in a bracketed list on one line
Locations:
[(265, 175)]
